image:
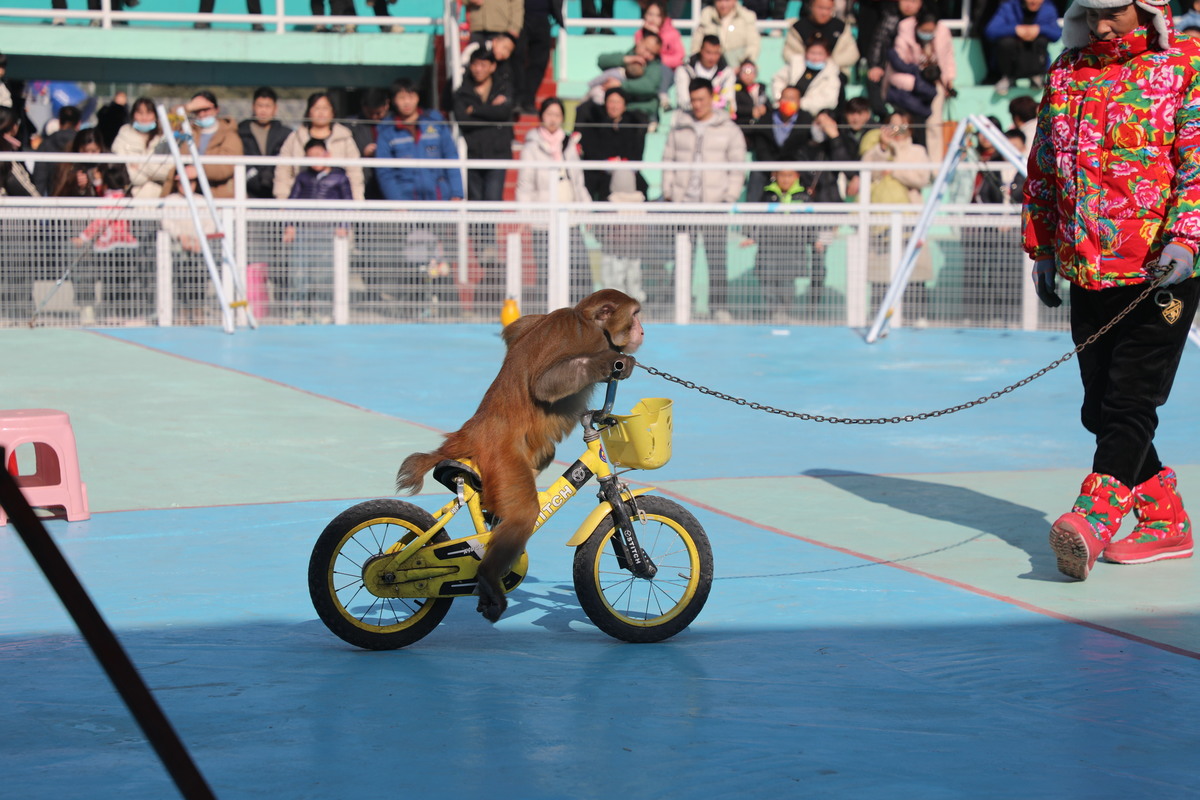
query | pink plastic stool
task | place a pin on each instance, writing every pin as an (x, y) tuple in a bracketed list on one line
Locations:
[(56, 484), (256, 289)]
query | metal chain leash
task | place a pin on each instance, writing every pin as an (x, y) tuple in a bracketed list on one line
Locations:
[(912, 417)]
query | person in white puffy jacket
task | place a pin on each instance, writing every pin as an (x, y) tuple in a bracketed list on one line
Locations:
[(142, 139), (550, 143)]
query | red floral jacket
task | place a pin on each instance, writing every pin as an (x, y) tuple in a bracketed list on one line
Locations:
[(1114, 174)]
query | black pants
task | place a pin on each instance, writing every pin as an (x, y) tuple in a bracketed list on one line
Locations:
[(1017, 58), (593, 9), (337, 8), (252, 6), (485, 184), (1127, 373), (531, 58), (767, 9)]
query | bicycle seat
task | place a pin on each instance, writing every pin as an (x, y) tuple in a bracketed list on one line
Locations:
[(446, 473)]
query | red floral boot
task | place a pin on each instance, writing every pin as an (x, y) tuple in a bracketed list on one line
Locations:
[(1163, 530), (1080, 536)]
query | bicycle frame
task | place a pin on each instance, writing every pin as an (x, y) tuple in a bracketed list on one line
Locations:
[(416, 568)]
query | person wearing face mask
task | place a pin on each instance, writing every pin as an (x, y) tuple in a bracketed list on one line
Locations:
[(215, 136), (822, 85), (142, 140), (920, 76), (819, 22), (876, 40), (780, 135), (1112, 201)]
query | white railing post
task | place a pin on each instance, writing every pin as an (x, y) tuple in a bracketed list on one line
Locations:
[(858, 290), (895, 253), (558, 264), (683, 278), (280, 27), (164, 281), (240, 232), (512, 266), (341, 280), (462, 252), (228, 279), (1029, 299), (106, 13)]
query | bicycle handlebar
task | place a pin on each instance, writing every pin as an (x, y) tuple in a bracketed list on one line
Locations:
[(610, 396)]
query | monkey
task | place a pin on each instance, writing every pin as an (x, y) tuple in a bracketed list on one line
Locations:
[(551, 365)]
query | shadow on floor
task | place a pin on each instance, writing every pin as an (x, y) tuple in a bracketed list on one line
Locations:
[(1020, 526)]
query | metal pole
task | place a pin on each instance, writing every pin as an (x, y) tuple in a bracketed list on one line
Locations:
[(239, 286), (103, 642), (165, 122), (909, 260)]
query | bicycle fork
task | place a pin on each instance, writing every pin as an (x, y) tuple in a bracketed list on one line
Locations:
[(630, 555)]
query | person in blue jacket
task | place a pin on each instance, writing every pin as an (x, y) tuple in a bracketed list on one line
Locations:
[(416, 133), (1019, 35)]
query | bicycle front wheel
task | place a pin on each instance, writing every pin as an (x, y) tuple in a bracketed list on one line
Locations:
[(335, 576), (646, 610)]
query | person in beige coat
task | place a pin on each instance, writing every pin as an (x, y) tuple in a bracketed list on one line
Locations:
[(486, 19), (895, 144), (215, 136), (735, 25), (142, 140), (339, 141), (820, 22), (704, 136)]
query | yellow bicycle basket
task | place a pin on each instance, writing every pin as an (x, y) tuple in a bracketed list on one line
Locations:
[(642, 438)]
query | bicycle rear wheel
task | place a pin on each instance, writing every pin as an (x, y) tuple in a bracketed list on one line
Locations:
[(335, 576), (646, 610)]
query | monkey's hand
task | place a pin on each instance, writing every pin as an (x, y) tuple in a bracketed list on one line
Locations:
[(623, 367)]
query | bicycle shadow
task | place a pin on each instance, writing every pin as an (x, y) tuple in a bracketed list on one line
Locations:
[(1020, 526)]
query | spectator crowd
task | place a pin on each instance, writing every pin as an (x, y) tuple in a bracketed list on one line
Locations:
[(867, 80)]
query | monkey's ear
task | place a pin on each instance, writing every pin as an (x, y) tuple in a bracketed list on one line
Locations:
[(604, 312)]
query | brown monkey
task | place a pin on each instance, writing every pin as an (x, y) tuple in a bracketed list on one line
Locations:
[(544, 385)]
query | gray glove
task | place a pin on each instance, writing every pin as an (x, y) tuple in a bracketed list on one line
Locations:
[(1177, 262), (1044, 275)]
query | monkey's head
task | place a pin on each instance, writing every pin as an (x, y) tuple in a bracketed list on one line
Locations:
[(618, 315)]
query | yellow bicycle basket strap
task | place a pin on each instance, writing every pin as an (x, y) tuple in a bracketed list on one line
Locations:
[(642, 438)]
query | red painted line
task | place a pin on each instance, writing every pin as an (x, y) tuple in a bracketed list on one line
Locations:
[(1133, 637)]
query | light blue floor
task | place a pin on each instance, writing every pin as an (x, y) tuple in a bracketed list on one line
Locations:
[(885, 620)]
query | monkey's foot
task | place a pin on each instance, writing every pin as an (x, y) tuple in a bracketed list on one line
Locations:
[(492, 601)]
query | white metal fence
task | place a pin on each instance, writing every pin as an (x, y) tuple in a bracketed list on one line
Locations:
[(311, 262)]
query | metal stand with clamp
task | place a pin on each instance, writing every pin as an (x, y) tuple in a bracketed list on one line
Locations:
[(239, 287)]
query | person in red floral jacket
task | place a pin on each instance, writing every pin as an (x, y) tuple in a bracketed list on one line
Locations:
[(1111, 202)]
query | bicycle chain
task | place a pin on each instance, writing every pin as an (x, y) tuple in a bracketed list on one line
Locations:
[(911, 417)]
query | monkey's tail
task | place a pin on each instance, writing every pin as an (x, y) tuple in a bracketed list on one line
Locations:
[(411, 475)]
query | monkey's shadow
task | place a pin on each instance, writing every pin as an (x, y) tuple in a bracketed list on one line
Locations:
[(1022, 527), (553, 605)]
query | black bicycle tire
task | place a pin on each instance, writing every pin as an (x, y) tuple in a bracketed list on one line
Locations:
[(591, 595), (323, 593)]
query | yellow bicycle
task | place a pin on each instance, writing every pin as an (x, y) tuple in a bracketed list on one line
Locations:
[(383, 573)]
